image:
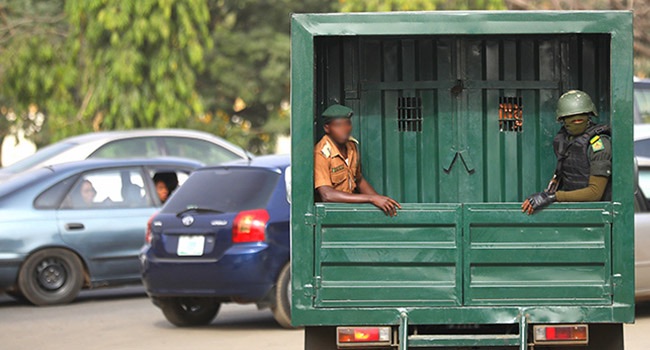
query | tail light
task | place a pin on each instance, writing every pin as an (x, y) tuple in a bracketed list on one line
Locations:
[(561, 334), (148, 234), (363, 336), (250, 226)]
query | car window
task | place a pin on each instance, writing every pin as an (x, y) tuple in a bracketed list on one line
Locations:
[(53, 196), (642, 148), (114, 188), (642, 99), (172, 178), (145, 147), (224, 190), (203, 151)]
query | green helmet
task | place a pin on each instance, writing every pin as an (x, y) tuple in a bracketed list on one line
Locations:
[(574, 102)]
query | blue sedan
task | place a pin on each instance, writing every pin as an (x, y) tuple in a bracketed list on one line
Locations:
[(223, 237), (75, 225)]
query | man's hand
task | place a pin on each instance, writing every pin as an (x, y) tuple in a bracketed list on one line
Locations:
[(537, 201), (387, 204)]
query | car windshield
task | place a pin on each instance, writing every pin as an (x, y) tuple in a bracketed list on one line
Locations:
[(38, 157), (224, 190), (18, 182)]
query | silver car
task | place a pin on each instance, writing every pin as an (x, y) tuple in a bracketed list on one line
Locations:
[(642, 230), (200, 146)]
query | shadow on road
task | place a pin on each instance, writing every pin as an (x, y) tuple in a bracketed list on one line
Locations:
[(643, 309), (101, 294), (230, 324)]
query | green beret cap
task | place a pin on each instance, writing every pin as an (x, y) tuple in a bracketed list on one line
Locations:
[(337, 112)]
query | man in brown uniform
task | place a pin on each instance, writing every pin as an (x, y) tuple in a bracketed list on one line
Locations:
[(337, 167)]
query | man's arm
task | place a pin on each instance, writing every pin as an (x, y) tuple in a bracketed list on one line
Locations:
[(387, 204), (592, 193)]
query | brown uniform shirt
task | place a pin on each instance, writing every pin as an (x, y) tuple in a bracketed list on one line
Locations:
[(330, 168)]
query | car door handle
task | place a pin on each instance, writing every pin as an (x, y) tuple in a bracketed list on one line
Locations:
[(74, 226)]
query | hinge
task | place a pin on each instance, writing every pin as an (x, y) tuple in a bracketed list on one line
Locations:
[(311, 289), (310, 219), (614, 280)]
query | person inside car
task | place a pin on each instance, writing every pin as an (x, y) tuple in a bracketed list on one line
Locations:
[(166, 183)]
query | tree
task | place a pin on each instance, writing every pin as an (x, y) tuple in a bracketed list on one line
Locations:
[(246, 85), (216, 65), (35, 66), (641, 21), (419, 5), (138, 61)]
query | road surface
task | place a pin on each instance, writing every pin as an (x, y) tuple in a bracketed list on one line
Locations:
[(124, 318)]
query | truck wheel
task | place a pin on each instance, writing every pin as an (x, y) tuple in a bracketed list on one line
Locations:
[(188, 312), (51, 276), (282, 304), (605, 337)]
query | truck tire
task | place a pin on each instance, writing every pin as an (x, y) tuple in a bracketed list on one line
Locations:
[(606, 337), (51, 276), (188, 312), (320, 338), (282, 304)]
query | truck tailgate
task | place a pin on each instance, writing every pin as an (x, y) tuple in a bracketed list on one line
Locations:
[(462, 254)]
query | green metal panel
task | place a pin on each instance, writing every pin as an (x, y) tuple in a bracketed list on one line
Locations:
[(414, 259), (561, 258), (461, 155), (367, 61)]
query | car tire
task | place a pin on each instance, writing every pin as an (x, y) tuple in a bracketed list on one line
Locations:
[(188, 312), (51, 276), (282, 304)]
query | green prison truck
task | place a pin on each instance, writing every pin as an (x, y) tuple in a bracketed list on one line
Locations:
[(460, 266)]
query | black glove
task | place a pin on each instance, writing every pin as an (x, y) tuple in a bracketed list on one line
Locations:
[(537, 201)]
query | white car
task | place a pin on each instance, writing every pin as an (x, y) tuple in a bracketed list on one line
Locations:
[(203, 147), (642, 230)]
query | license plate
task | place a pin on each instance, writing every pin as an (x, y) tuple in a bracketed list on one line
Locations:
[(190, 245)]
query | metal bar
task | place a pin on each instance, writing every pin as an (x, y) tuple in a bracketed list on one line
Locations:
[(403, 331), (523, 332)]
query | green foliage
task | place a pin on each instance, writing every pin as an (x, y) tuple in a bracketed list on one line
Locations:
[(419, 5), (216, 65), (138, 60), (246, 87)]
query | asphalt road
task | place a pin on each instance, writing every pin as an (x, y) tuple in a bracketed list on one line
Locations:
[(124, 318)]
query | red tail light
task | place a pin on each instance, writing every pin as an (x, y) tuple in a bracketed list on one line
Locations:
[(348, 336), (250, 226), (148, 234), (561, 334)]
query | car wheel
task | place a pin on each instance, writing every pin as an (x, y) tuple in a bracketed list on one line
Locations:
[(51, 276), (282, 305), (187, 312)]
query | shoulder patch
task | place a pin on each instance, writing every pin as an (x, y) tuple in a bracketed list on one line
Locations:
[(354, 140), (597, 145), (326, 150), (594, 139)]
